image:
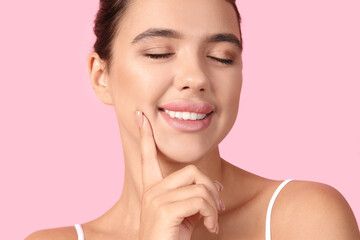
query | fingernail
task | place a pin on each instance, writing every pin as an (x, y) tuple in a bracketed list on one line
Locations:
[(219, 186), (140, 118), (217, 228), (219, 207), (222, 205)]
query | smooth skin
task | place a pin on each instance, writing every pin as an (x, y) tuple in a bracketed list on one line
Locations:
[(171, 207), (169, 189)]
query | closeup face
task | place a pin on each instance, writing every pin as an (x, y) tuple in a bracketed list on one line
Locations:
[(178, 56)]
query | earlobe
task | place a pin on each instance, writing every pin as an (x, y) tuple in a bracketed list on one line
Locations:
[(99, 78)]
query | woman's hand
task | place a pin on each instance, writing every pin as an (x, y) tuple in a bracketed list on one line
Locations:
[(172, 206)]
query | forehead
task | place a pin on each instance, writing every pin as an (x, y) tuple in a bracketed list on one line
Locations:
[(192, 18)]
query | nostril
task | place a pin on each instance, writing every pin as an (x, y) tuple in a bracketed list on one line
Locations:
[(187, 87)]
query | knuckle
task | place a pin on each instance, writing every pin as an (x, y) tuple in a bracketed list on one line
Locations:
[(201, 201), (202, 189), (192, 168)]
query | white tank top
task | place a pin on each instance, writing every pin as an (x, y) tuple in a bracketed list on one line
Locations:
[(80, 232)]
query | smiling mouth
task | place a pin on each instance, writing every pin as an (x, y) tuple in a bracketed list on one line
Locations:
[(192, 116)]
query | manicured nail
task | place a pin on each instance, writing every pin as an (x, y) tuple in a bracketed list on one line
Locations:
[(140, 118), (219, 205), (222, 205), (219, 186)]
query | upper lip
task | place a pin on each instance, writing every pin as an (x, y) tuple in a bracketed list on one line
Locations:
[(186, 106)]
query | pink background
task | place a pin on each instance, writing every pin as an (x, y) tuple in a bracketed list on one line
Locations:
[(61, 158)]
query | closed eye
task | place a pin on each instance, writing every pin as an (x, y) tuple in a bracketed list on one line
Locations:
[(156, 56), (225, 61), (166, 55)]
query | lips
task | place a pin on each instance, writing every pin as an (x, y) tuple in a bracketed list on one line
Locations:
[(188, 125), (184, 106)]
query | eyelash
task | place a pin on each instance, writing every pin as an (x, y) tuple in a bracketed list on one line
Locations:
[(157, 56)]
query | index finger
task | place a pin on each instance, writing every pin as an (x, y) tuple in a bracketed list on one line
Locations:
[(150, 168)]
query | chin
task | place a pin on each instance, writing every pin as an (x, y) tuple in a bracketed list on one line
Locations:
[(181, 157), (184, 152)]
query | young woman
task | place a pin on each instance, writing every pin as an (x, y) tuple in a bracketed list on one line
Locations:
[(173, 72)]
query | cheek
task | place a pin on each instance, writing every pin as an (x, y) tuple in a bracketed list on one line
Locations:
[(228, 96), (133, 84), (137, 86), (228, 93)]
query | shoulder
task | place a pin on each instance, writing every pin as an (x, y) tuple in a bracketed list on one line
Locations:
[(310, 210), (62, 233)]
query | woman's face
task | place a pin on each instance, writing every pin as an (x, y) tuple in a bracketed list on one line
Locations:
[(189, 69)]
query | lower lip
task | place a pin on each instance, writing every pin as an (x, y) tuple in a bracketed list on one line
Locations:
[(187, 125)]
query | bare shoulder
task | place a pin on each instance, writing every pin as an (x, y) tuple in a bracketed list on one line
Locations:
[(62, 233), (310, 210)]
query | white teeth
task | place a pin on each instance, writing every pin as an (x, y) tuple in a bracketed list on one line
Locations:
[(193, 116), (185, 115), (172, 114), (178, 115)]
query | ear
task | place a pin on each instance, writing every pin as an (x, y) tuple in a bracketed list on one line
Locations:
[(99, 78)]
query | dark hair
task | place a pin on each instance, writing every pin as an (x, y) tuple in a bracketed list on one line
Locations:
[(109, 17)]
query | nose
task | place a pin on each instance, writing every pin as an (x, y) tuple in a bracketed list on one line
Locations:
[(191, 76)]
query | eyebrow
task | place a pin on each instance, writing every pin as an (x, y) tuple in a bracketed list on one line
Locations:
[(170, 33)]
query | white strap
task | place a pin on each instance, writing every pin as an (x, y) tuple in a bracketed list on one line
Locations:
[(271, 204), (79, 231)]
